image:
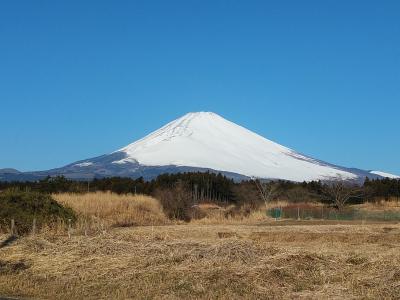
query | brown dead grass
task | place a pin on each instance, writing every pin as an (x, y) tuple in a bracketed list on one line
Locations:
[(207, 262), (112, 210), (220, 216), (214, 214), (239, 257), (379, 205)]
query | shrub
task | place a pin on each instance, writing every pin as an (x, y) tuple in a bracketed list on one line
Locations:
[(299, 195), (176, 201), (246, 193), (23, 207)]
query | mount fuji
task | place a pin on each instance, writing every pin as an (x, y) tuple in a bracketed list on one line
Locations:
[(203, 141)]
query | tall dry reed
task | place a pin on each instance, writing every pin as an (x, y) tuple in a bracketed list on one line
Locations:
[(108, 209)]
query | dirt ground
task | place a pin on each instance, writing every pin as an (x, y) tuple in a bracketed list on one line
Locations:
[(278, 260)]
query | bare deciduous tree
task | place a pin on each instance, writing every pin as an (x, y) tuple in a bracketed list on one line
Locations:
[(267, 190), (340, 192)]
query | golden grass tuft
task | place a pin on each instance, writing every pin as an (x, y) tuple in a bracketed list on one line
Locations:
[(114, 210)]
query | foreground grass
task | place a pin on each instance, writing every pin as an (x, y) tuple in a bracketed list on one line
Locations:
[(204, 261)]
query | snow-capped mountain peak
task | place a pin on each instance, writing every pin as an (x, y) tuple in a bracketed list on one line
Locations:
[(199, 142), (207, 140)]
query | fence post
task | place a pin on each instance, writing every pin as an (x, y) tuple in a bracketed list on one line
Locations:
[(298, 213), (152, 228), (322, 212), (12, 227), (34, 226), (69, 228)]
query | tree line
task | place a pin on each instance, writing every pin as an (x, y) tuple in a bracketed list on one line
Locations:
[(211, 187)]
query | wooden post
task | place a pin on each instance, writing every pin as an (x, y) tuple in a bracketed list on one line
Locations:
[(298, 213), (322, 212), (152, 229), (12, 227), (69, 228), (34, 226)]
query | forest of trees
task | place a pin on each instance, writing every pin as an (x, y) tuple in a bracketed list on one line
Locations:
[(210, 187)]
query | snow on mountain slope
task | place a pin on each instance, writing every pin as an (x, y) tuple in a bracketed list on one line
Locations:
[(384, 174), (207, 140)]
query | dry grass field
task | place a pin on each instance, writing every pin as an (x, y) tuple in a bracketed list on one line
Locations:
[(208, 261), (212, 258)]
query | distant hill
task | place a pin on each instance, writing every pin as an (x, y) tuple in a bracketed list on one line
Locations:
[(9, 171)]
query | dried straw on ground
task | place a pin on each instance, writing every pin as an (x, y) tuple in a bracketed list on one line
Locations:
[(208, 261)]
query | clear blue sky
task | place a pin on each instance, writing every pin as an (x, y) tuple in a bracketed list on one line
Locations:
[(83, 78)]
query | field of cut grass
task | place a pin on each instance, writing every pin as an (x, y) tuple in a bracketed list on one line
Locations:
[(195, 261), (123, 247)]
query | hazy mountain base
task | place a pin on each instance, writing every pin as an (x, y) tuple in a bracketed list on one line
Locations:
[(103, 167), (199, 261)]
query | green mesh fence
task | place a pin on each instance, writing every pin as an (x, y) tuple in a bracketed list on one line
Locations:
[(307, 212)]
